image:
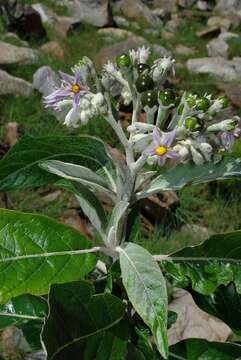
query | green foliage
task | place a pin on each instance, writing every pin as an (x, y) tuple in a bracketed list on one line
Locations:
[(36, 251)]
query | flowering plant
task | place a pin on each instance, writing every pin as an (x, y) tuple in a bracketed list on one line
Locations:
[(121, 312)]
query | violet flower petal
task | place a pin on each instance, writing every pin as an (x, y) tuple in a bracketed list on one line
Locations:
[(171, 154), (67, 78), (168, 138), (156, 137)]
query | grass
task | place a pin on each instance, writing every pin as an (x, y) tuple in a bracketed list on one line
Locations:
[(206, 206)]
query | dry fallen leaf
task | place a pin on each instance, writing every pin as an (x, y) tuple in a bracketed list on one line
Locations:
[(192, 322)]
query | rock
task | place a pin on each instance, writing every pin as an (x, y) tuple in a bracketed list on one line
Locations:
[(64, 24), (173, 24), (13, 344), (224, 5), (53, 48), (46, 15), (115, 33), (202, 5), (186, 3), (167, 5), (94, 12), (209, 31), (11, 54), (167, 35), (40, 355), (222, 22), (192, 322), (45, 80), (151, 32), (12, 133), (184, 50), (233, 92), (160, 51), (121, 21), (110, 53), (11, 37), (13, 85), (138, 11), (162, 14), (218, 47), (226, 35), (226, 70)]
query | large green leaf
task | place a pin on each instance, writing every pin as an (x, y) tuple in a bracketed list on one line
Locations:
[(182, 175), (224, 303), (216, 261), (36, 251), (146, 289), (26, 312), (19, 168), (198, 349), (84, 325)]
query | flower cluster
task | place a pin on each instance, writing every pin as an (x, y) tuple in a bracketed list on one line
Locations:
[(180, 127)]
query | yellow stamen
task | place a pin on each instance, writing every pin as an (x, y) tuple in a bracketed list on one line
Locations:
[(75, 88), (161, 150)]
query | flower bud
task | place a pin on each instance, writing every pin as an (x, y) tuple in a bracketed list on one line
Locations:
[(141, 141), (196, 156), (225, 125)]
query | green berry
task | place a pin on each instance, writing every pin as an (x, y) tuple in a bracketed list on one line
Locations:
[(202, 104), (224, 100), (142, 67), (149, 98), (167, 97), (191, 100), (144, 83), (123, 60), (192, 123)]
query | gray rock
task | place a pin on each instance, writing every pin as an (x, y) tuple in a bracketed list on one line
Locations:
[(160, 51), (233, 92), (12, 85), (202, 5), (152, 32), (222, 22), (110, 53), (174, 24), (184, 50), (12, 37), (121, 21), (225, 70), (94, 12), (10, 54), (186, 3), (223, 5), (218, 47), (167, 5), (45, 80), (138, 11), (46, 15), (115, 33)]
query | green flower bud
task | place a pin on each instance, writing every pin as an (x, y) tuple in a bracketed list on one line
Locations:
[(123, 60), (202, 104), (191, 100), (149, 98), (192, 123), (144, 83), (224, 100), (167, 97), (143, 67)]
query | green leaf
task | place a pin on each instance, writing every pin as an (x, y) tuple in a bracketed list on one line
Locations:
[(78, 173), (236, 151), (81, 322), (27, 312), (19, 168), (198, 349), (36, 251), (215, 262), (146, 289), (89, 203), (190, 174), (224, 303)]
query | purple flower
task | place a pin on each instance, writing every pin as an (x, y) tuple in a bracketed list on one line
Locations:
[(71, 89), (228, 137), (160, 147)]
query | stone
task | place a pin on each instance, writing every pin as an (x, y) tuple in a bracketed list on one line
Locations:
[(94, 12), (64, 24), (167, 35), (162, 14), (115, 33), (186, 3), (138, 11), (226, 35), (120, 21), (45, 80), (110, 53), (225, 70), (151, 32), (233, 92), (11, 54), (209, 31), (46, 15), (223, 22), (12, 85), (218, 47), (173, 25), (160, 51), (224, 5), (184, 50), (13, 38), (54, 49), (167, 5), (202, 5)]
